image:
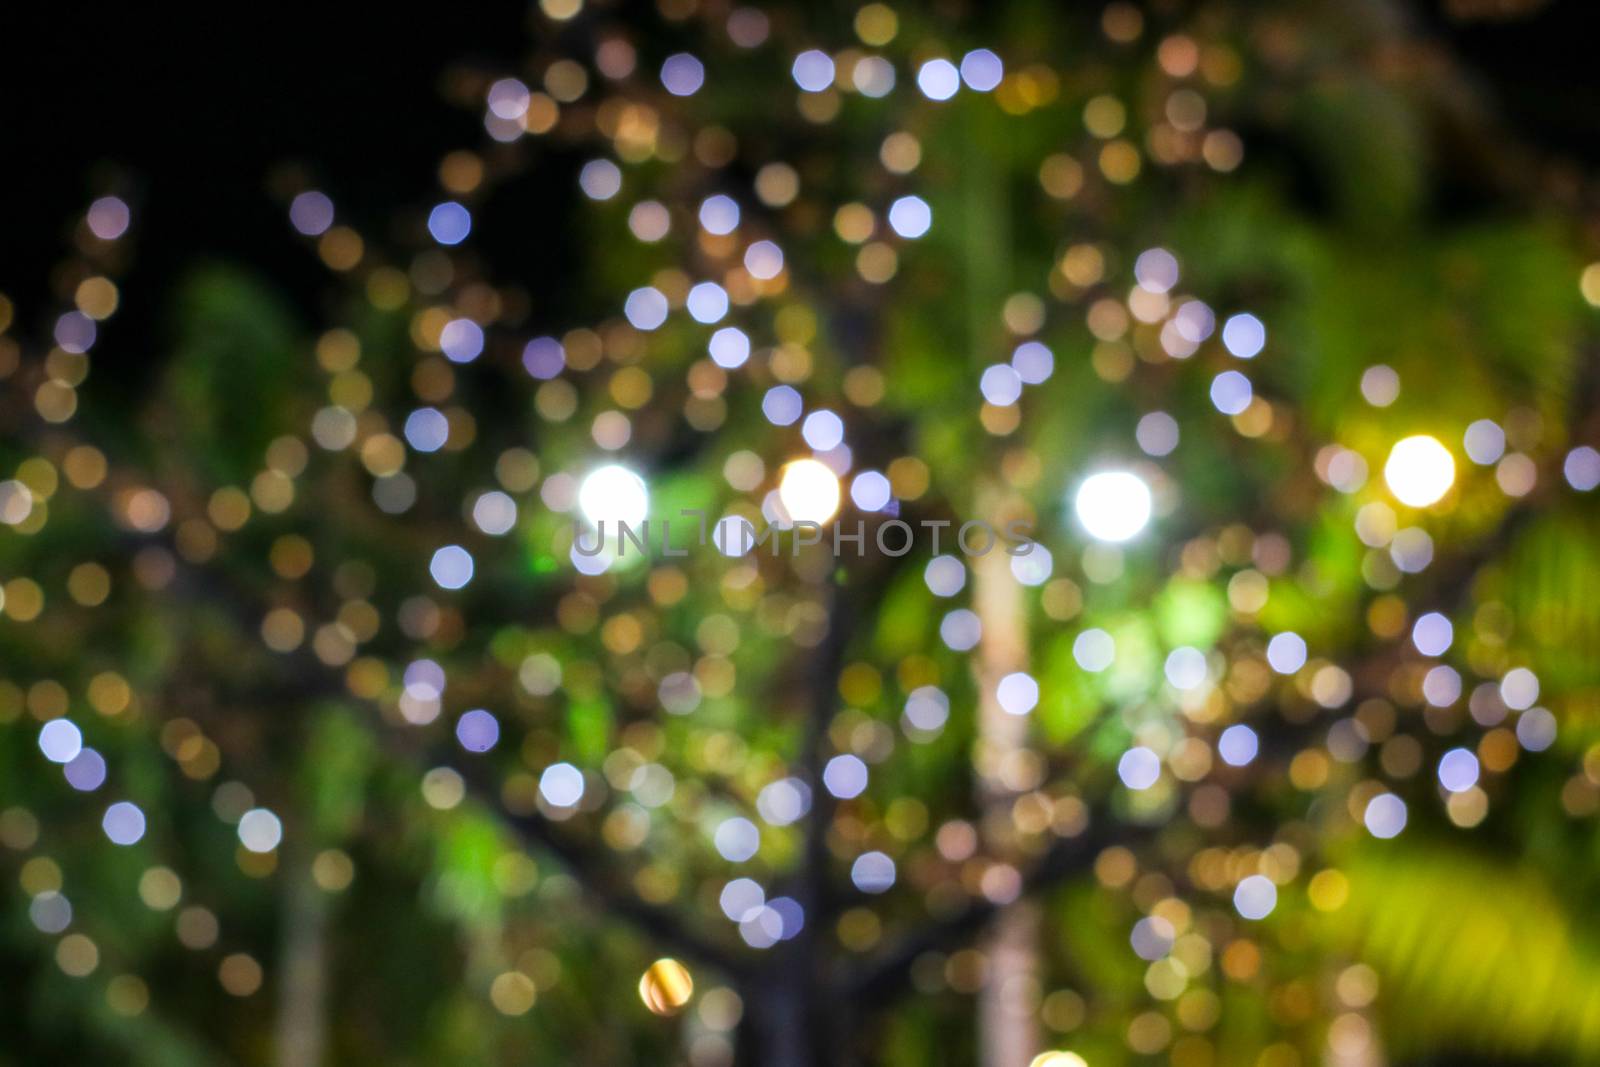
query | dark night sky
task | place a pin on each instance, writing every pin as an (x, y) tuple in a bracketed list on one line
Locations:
[(203, 107), (200, 109)]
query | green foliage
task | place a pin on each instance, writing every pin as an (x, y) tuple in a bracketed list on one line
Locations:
[(1550, 581), (1472, 953), (235, 375)]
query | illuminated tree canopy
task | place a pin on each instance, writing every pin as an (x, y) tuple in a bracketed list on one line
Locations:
[(1132, 590)]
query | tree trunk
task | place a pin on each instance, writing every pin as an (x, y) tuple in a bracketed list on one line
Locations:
[(787, 1021), (300, 1031), (1008, 1034)]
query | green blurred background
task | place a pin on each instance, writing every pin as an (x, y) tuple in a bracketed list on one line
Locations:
[(1306, 766)]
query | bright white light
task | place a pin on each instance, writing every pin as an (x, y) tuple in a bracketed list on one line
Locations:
[(707, 302), (734, 535), (1484, 441), (16, 502), (1238, 745), (87, 771), (1186, 668), (1432, 634), (1243, 335), (1156, 270), (737, 839), (1094, 650), (782, 405), (1000, 385), (764, 260), (1034, 566), (494, 513), (729, 347), (813, 71), (646, 308), (427, 429), (598, 563), (1536, 729), (60, 740), (1139, 768), (938, 79), (783, 801), (1157, 433), (1231, 392), (682, 74), (1519, 688), (260, 830), (1411, 549), (1113, 505), (763, 928), (1419, 471), (451, 567), (742, 898), (1255, 897), (1582, 468), (1286, 652), (424, 678), (822, 430), (982, 70), (1194, 320), (561, 784), (873, 872), (719, 214), (1441, 686), (871, 491), (944, 575), (123, 823), (927, 708), (873, 76), (600, 179), (1458, 770), (613, 494), (1033, 362), (845, 776), (1150, 939), (809, 491), (961, 629), (509, 98), (461, 340), (1017, 693), (910, 217), (1385, 815), (1380, 385), (50, 911)]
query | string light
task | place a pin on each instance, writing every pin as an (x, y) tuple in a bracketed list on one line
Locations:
[(1113, 505), (1419, 470), (809, 491)]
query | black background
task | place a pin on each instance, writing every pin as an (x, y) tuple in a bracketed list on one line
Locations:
[(200, 106)]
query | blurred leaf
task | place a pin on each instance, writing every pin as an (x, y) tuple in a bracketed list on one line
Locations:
[(235, 367), (1472, 953)]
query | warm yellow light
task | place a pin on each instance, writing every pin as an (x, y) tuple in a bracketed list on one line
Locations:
[(809, 491), (1058, 1059), (1420, 470), (666, 987)]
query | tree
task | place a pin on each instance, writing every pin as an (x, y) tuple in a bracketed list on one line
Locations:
[(1185, 779)]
